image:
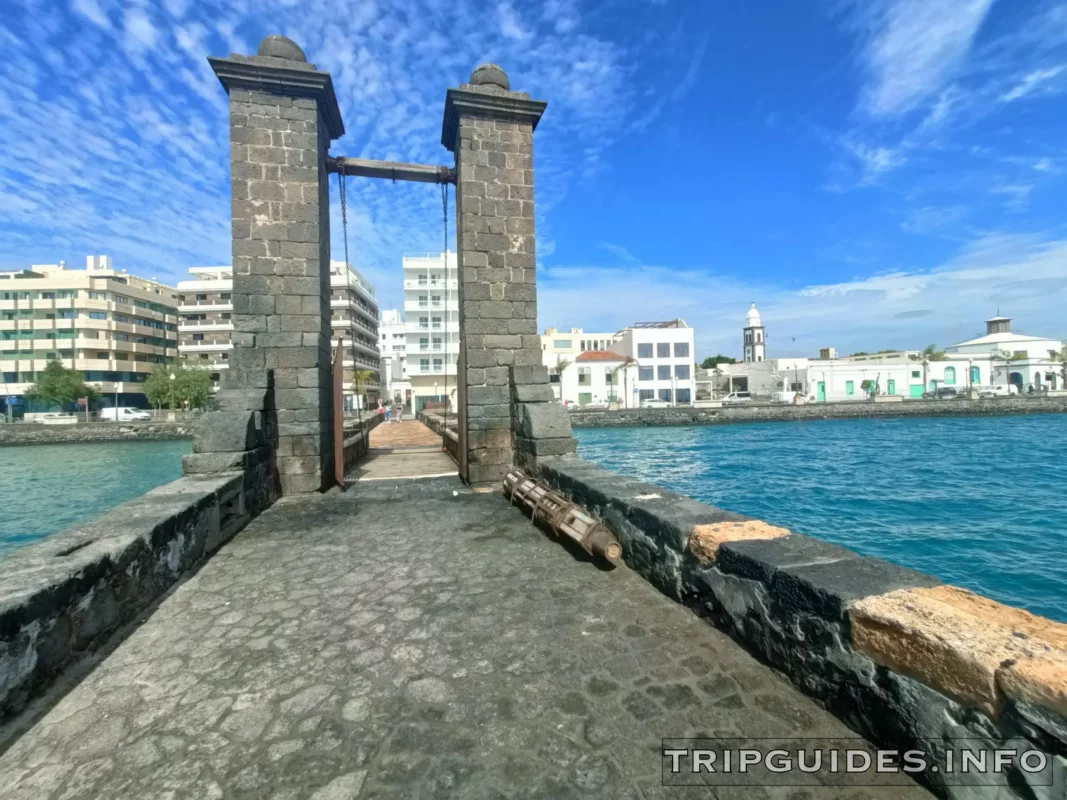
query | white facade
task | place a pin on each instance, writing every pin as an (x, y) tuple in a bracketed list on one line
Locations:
[(559, 349), (206, 307), (996, 359), (392, 342), (664, 352), (598, 377), (754, 337), (431, 306)]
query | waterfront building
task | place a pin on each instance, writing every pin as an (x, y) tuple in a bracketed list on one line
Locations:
[(664, 353), (392, 342), (651, 360), (206, 319), (431, 306), (560, 348), (206, 307), (111, 326)]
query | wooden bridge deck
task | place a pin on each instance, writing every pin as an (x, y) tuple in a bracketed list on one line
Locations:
[(402, 450)]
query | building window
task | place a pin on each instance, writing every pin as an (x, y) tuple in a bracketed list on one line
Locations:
[(759, 337), (583, 376), (916, 374), (438, 364), (562, 344), (646, 394), (436, 323), (424, 322), (850, 388), (424, 343), (681, 372), (422, 301), (553, 377), (610, 377), (581, 345), (683, 396), (663, 372), (645, 373), (950, 376), (644, 350), (422, 280), (663, 350), (681, 349), (437, 343), (97, 315), (424, 365), (436, 300), (665, 394), (976, 376)]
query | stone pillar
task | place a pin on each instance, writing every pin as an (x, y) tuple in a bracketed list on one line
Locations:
[(283, 116), (490, 129)]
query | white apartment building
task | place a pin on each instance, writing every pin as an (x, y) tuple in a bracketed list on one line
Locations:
[(392, 343), (111, 326), (560, 349), (206, 309), (664, 352), (431, 307), (206, 322), (649, 360)]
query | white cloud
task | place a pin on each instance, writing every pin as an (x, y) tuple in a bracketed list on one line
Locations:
[(913, 48), (619, 252), (1024, 276), (511, 24), (1045, 165), (1017, 195), (141, 34), (1035, 81), (91, 10)]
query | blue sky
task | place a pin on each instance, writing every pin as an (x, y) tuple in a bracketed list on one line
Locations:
[(873, 173)]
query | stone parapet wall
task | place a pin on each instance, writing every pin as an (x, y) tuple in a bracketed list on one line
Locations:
[(902, 659), (63, 598), (25, 433), (687, 415)]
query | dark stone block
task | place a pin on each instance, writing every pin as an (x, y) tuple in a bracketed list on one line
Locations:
[(226, 431), (760, 559), (827, 590), (534, 393)]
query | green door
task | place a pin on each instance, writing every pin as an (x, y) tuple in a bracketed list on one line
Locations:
[(850, 388), (822, 391), (891, 386), (917, 391), (584, 398)]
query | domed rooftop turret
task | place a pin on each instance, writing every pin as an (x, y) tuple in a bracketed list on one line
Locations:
[(752, 319)]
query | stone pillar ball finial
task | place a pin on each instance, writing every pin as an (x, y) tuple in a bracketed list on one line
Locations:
[(490, 75), (281, 47)]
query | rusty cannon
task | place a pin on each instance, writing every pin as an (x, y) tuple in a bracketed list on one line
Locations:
[(561, 517)]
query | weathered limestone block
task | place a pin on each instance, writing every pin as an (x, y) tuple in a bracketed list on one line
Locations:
[(969, 647), (705, 540), (546, 447), (228, 432), (533, 393)]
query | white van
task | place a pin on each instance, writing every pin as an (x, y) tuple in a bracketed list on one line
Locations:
[(786, 397), (123, 414)]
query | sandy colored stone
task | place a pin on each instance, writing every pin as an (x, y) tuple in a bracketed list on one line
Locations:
[(968, 647), (705, 540)]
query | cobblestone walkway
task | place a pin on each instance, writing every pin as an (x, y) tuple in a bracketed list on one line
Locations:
[(408, 640)]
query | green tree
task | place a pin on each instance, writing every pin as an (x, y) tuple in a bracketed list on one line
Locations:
[(930, 353), (177, 385), (57, 385), (867, 385), (1060, 358), (713, 361)]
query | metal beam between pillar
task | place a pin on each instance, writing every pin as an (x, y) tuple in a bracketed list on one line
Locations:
[(391, 170)]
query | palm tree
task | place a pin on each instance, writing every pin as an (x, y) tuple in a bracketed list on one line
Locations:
[(1060, 358), (931, 353), (1007, 358), (627, 361)]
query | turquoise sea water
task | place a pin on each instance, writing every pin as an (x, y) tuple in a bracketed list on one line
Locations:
[(46, 488), (978, 502)]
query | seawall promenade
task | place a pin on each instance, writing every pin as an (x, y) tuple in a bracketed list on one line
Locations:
[(25, 433), (688, 415)]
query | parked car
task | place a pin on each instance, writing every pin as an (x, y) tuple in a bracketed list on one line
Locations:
[(736, 398), (998, 391), (123, 414), (654, 403), (52, 419)]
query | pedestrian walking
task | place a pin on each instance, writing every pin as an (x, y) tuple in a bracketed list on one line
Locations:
[(399, 412)]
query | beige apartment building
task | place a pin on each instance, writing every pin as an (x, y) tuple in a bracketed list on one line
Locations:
[(206, 310), (112, 326)]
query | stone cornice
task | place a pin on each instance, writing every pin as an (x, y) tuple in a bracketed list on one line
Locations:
[(508, 106), (289, 81)]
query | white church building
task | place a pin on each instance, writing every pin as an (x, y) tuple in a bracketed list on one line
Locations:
[(1001, 357)]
